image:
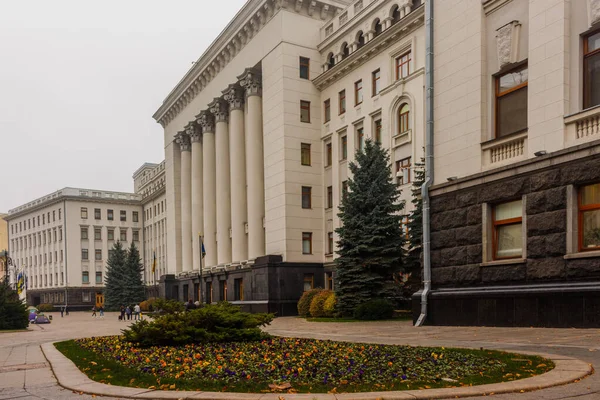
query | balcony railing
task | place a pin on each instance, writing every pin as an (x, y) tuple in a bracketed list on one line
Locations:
[(582, 127), (504, 151)]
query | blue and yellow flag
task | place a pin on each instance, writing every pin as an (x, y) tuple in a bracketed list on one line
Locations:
[(20, 282), (154, 263)]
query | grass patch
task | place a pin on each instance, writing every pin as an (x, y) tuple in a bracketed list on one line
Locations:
[(309, 366)]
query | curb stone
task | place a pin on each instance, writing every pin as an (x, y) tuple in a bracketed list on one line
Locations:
[(567, 370)]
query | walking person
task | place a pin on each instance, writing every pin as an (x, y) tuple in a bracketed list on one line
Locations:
[(62, 311), (136, 311), (94, 311), (128, 312), (101, 309), (67, 310), (122, 313)]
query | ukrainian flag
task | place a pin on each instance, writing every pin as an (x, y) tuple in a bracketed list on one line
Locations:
[(154, 263)]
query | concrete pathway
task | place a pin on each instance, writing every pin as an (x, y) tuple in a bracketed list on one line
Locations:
[(25, 373)]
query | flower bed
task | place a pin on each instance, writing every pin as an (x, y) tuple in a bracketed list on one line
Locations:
[(307, 365)]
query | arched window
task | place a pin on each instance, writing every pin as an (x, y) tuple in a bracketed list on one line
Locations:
[(345, 51), (395, 14), (403, 117), (330, 61), (377, 27), (360, 38)]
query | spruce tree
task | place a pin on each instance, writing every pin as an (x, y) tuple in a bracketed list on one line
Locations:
[(13, 311), (116, 280), (136, 291), (414, 256), (371, 243)]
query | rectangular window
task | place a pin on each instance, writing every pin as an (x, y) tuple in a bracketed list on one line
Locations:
[(223, 294), (59, 214), (377, 131), (507, 230), (329, 30), (123, 215), (344, 188), (329, 242), (109, 215), (591, 70), (403, 66), (83, 214), (123, 235), (238, 289), (358, 93), (344, 147), (59, 234), (306, 196), (403, 171), (511, 102), (376, 80), (136, 236), (97, 213), (97, 233), (328, 154), (85, 278), (98, 255), (342, 102), (304, 111), (329, 280), (304, 68), (135, 216), (305, 153), (309, 282), (306, 242), (343, 18), (53, 215), (360, 138), (111, 234), (329, 196), (84, 234), (84, 254), (589, 217), (209, 293), (99, 277), (327, 110)]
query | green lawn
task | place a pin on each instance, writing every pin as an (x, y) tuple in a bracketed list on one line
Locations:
[(310, 366)]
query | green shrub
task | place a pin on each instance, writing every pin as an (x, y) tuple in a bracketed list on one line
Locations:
[(317, 303), (374, 309), (13, 312), (305, 300), (329, 305), (145, 305), (45, 307), (222, 322), (164, 306)]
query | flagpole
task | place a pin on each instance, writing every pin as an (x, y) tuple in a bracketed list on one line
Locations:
[(200, 275)]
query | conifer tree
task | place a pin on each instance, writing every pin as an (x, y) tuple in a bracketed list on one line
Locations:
[(371, 243), (135, 288), (115, 293), (13, 312), (414, 256)]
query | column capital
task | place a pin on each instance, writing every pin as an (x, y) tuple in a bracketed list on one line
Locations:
[(206, 120), (183, 140), (234, 95), (251, 81), (218, 108), (194, 131)]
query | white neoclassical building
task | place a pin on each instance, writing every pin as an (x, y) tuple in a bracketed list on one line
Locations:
[(259, 134)]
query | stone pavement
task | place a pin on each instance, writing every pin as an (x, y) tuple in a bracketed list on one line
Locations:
[(25, 373)]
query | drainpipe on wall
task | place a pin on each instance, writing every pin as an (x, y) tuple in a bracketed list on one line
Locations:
[(428, 160)]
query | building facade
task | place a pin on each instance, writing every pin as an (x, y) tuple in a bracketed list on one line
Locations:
[(259, 133), (62, 242), (515, 206)]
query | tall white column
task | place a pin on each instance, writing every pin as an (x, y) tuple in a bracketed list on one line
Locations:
[(186, 200), (251, 82), (206, 120), (234, 95), (195, 134), (219, 109)]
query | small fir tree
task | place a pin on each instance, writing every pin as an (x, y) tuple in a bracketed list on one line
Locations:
[(116, 280), (414, 256), (13, 311), (371, 243), (135, 285)]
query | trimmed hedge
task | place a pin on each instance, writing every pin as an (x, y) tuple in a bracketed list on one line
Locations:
[(305, 300), (329, 305), (374, 309), (44, 307), (318, 302)]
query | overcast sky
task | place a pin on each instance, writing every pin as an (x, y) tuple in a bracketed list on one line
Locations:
[(80, 81)]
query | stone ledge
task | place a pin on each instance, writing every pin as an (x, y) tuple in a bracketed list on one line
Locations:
[(566, 370), (583, 254), (510, 261)]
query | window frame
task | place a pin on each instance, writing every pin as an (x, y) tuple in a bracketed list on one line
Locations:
[(304, 62), (97, 233), (400, 165), (328, 154), (399, 63), (110, 215), (377, 130), (343, 147), (587, 54), (360, 138), (135, 217), (238, 289), (305, 106), (498, 95), (330, 243), (84, 214), (327, 110), (308, 278), (341, 102), (375, 82), (97, 213), (504, 222), (123, 215), (306, 194), (98, 275), (98, 254), (308, 236), (85, 278), (85, 254), (329, 197), (358, 92), (305, 154), (81, 233), (580, 210), (403, 119)]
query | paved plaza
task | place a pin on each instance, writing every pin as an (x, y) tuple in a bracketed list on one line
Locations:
[(25, 373)]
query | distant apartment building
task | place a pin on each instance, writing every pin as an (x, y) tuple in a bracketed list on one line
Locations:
[(62, 241), (515, 209)]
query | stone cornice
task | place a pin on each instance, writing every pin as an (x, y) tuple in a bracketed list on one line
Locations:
[(388, 37), (253, 16)]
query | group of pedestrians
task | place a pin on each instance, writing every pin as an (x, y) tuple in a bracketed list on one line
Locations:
[(64, 310), (98, 309), (131, 313)]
